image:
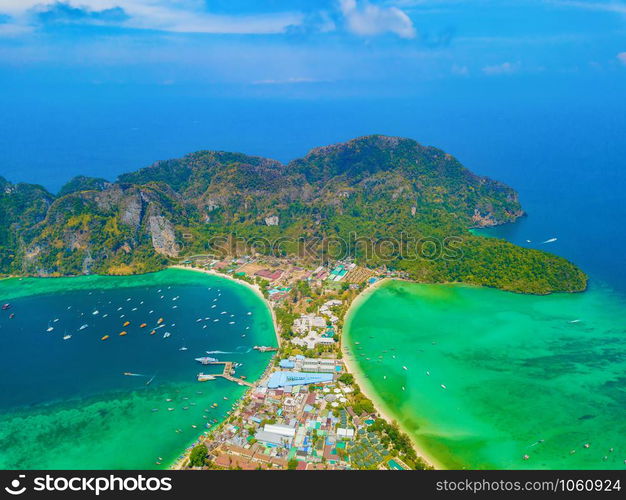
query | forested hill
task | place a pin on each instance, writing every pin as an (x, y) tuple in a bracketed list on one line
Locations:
[(419, 200)]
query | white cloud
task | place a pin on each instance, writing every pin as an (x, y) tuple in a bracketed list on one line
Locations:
[(608, 6), (13, 30), (181, 16), (363, 18), (289, 81), (621, 57), (460, 70), (506, 68)]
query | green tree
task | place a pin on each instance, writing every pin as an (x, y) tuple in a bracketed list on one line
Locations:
[(197, 457)]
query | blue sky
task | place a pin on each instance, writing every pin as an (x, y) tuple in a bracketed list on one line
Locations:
[(308, 47)]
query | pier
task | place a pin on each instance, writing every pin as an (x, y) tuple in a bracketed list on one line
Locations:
[(228, 373)]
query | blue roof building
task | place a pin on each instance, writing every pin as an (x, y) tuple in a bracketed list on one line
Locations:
[(288, 379)]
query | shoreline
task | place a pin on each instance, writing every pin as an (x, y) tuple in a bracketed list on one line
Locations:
[(180, 462), (366, 387), (350, 365), (250, 286)]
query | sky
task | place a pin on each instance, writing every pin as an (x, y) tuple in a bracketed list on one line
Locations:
[(101, 87), (308, 48)]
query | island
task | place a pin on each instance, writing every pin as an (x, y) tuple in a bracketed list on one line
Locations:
[(381, 201), (310, 236)]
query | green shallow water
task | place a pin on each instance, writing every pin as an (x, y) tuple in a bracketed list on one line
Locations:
[(523, 375), (66, 404)]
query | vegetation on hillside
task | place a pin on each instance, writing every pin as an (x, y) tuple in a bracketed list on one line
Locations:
[(383, 201)]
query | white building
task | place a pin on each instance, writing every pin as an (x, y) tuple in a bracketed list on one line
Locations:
[(280, 429)]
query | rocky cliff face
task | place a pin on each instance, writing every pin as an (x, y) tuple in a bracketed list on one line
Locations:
[(163, 236)]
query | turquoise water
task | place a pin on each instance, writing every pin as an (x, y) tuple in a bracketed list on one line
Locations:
[(67, 403), (523, 375)]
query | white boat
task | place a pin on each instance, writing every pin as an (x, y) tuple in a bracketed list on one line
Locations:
[(182, 349), (83, 327), (50, 328), (405, 368), (202, 377), (166, 334), (443, 386), (67, 337), (96, 312), (206, 360)]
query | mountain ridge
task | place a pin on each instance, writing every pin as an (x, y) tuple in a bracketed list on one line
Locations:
[(377, 187)]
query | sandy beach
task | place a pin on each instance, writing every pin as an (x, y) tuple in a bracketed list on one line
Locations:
[(254, 288), (180, 462), (349, 362), (366, 387)]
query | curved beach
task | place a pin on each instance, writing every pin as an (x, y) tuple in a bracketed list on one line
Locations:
[(485, 379), (254, 288), (364, 383), (140, 381)]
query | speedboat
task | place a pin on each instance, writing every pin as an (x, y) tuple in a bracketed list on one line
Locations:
[(166, 334), (67, 337), (206, 360)]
